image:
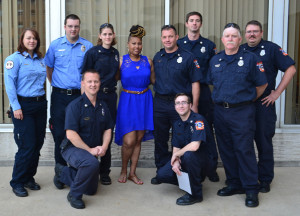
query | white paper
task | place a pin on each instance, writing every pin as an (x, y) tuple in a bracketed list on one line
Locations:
[(184, 182)]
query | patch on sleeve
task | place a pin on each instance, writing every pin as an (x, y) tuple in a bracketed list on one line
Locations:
[(9, 65), (196, 63), (216, 51), (199, 125), (260, 66), (283, 52)]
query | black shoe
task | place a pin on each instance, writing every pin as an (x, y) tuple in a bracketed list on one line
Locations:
[(214, 177), (251, 200), (20, 191), (76, 203), (105, 180), (264, 187), (155, 181), (229, 191), (32, 185), (58, 170), (188, 199)]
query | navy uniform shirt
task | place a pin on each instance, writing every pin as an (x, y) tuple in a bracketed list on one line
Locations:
[(23, 76), (105, 61), (203, 49), (235, 79), (185, 132), (88, 121), (175, 72), (66, 60), (274, 58)]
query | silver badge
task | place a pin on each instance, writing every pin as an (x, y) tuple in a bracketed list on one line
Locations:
[(262, 52), (240, 63), (217, 65), (202, 49), (82, 48), (179, 60), (103, 113)]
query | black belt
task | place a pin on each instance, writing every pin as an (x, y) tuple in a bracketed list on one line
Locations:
[(67, 91), (108, 90), (38, 98), (229, 105), (165, 97)]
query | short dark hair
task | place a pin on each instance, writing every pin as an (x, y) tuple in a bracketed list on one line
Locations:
[(183, 94), (233, 25), (89, 71), (254, 22), (103, 26), (192, 14), (168, 27), (73, 17), (21, 47)]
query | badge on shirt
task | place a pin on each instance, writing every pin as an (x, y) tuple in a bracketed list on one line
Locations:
[(283, 52), (203, 49), (262, 52), (196, 63), (260, 66), (82, 48), (103, 113), (179, 60), (240, 62), (199, 125), (9, 65)]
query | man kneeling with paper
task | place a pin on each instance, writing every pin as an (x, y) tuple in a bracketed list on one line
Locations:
[(189, 153)]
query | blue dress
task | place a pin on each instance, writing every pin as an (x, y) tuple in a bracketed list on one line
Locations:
[(135, 111)]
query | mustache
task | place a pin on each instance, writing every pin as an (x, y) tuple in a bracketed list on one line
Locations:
[(230, 42)]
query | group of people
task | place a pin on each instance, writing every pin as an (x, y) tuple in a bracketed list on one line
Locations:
[(84, 109)]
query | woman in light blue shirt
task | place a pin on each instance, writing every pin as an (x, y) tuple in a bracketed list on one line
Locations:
[(25, 75)]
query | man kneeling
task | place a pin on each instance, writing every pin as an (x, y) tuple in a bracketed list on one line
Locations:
[(189, 151), (88, 126)]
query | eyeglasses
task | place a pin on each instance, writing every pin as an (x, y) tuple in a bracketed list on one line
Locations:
[(178, 103), (104, 25), (253, 32), (233, 25)]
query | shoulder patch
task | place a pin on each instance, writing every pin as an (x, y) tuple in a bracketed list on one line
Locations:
[(9, 65), (260, 66), (196, 63), (283, 52), (199, 125), (216, 51)]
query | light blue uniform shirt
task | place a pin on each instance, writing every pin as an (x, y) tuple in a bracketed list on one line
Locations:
[(66, 59), (23, 76)]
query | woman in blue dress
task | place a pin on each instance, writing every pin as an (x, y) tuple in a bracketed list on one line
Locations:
[(135, 111)]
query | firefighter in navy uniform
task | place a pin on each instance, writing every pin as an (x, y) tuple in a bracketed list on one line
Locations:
[(203, 49), (88, 133), (274, 58), (239, 79)]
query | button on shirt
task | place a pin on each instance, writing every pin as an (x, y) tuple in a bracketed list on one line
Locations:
[(105, 61), (66, 59), (88, 121), (203, 49), (23, 76), (274, 58), (185, 132), (175, 72), (235, 80)]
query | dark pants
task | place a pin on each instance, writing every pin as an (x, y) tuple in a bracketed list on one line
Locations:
[(111, 101), (194, 163), (164, 117), (83, 174), (265, 130), (29, 135), (206, 109), (235, 129), (59, 102)]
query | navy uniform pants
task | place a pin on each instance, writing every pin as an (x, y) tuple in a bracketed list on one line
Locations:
[(235, 129), (265, 130), (164, 114), (82, 174), (111, 101), (59, 102), (194, 163), (206, 109), (29, 135)]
